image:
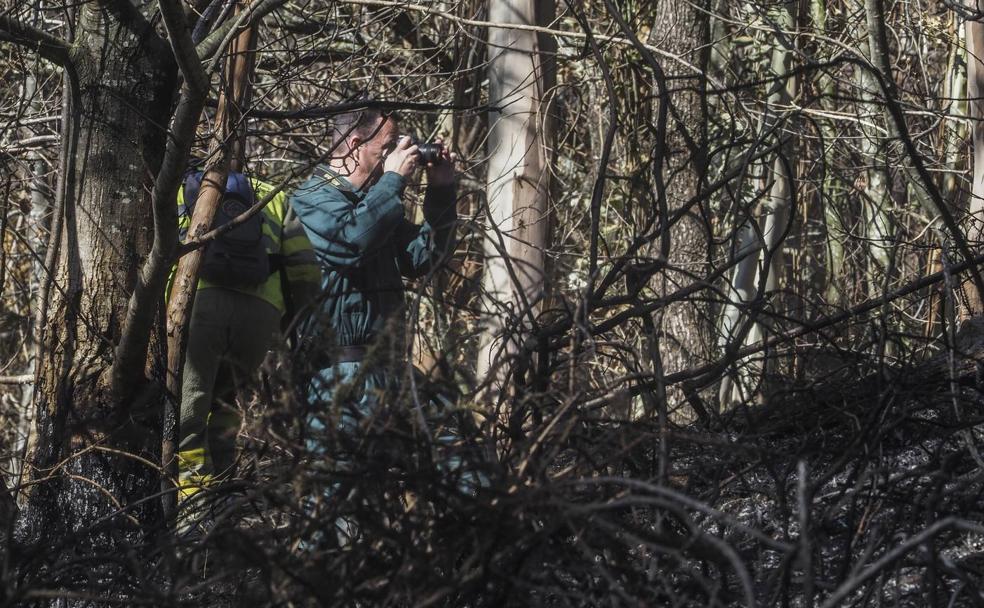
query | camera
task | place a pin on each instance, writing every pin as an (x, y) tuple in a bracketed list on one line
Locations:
[(430, 153)]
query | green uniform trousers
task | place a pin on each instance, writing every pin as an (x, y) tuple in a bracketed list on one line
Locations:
[(229, 335)]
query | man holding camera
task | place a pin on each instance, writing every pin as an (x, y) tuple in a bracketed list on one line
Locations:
[(353, 213)]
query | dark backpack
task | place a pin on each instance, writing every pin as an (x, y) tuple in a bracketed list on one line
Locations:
[(237, 257)]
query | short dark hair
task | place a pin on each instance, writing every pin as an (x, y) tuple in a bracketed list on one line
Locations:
[(362, 122)]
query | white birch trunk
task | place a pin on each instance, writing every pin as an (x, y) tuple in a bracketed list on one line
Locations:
[(832, 188), (955, 128), (517, 188), (758, 272), (876, 204), (975, 109)]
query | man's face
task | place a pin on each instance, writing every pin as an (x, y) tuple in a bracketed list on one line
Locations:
[(377, 144)]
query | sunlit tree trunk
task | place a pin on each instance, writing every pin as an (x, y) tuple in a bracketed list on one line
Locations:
[(123, 86), (40, 200), (919, 184), (517, 186), (832, 189), (974, 225), (877, 206), (757, 274), (953, 133), (954, 129)]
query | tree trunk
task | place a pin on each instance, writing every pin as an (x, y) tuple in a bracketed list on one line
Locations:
[(227, 153), (974, 34), (953, 130), (682, 28), (834, 289), (36, 235), (918, 180), (517, 185), (757, 275), (92, 464), (877, 211)]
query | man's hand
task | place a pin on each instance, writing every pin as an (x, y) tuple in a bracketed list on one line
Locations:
[(441, 173), (403, 159)]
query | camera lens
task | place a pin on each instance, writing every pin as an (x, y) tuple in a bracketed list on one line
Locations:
[(430, 153)]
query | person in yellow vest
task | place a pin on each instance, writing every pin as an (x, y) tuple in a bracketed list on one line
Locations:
[(252, 279)]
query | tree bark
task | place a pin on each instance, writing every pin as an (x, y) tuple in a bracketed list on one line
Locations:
[(517, 184), (831, 186), (93, 460), (877, 207), (682, 28), (974, 33), (226, 149), (757, 275), (40, 211), (924, 189)]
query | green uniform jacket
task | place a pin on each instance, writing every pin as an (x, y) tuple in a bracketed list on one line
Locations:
[(365, 245)]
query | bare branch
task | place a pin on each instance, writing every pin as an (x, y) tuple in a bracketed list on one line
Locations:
[(216, 42), (52, 48), (182, 45), (20, 379), (131, 352), (341, 108), (523, 27)]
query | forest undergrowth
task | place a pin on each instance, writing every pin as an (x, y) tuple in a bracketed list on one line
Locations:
[(859, 487)]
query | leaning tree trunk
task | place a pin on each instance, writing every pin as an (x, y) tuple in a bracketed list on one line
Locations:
[(93, 460), (518, 173)]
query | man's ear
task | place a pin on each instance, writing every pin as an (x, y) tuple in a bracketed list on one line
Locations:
[(354, 142)]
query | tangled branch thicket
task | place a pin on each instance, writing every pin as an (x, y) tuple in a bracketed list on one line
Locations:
[(846, 473)]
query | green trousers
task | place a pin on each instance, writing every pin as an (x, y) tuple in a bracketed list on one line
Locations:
[(229, 334)]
